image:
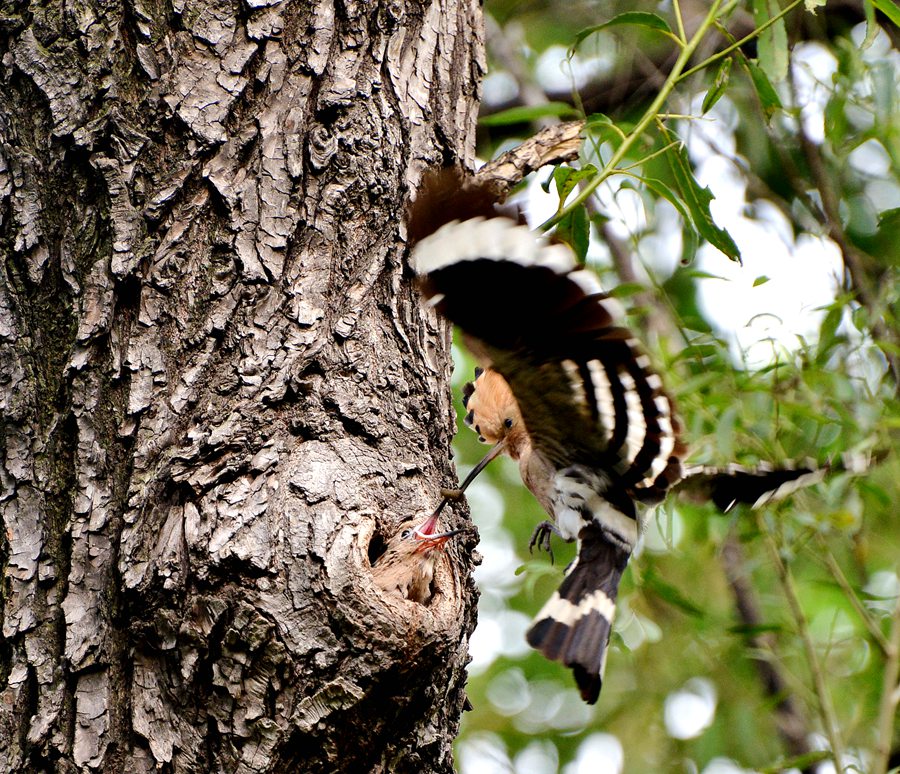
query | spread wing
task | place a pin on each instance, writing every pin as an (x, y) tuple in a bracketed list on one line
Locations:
[(587, 393)]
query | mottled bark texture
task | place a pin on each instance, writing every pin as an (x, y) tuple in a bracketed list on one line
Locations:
[(218, 384)]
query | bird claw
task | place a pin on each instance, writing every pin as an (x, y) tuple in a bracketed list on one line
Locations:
[(541, 538)]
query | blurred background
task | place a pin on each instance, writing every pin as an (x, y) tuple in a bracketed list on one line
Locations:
[(757, 641)]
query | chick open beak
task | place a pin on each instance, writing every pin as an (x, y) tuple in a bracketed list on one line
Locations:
[(430, 539)]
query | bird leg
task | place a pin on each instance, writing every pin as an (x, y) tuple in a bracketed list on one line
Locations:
[(541, 538)]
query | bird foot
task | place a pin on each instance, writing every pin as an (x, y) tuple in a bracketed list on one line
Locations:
[(452, 494), (541, 538)]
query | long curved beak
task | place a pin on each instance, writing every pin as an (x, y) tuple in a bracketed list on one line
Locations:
[(496, 451)]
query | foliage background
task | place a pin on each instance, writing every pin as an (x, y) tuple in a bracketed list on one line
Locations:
[(804, 121)]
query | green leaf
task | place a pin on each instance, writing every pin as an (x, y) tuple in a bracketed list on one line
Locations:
[(876, 492), (690, 242), (535, 570), (671, 594), (566, 178), (764, 89), (889, 221), (884, 92), (631, 18), (836, 124), (871, 25), (661, 189), (828, 330), (699, 274), (762, 279), (528, 113), (773, 41), (725, 432), (890, 9), (696, 198), (626, 289), (700, 351), (689, 232), (575, 230), (718, 87)]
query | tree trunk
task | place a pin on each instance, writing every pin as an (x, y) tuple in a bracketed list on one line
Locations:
[(217, 384)]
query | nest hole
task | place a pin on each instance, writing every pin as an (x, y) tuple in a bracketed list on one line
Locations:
[(377, 547)]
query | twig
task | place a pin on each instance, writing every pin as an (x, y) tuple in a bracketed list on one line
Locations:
[(755, 33), (550, 145), (792, 726), (650, 115), (890, 696), (838, 574), (506, 52), (853, 258), (826, 707)]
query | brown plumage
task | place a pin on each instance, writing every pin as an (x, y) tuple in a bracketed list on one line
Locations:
[(493, 413), (407, 565)]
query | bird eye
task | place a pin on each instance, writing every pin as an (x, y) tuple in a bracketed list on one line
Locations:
[(507, 423), (406, 533)]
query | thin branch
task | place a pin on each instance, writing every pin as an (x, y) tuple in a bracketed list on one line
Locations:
[(550, 145), (792, 726), (649, 116), (506, 52), (890, 696), (679, 20), (826, 707), (837, 573), (638, 164), (854, 259), (734, 46)]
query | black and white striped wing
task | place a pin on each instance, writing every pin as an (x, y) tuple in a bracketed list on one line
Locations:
[(586, 391), (731, 485)]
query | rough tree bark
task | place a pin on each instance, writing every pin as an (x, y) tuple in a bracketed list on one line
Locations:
[(217, 384)]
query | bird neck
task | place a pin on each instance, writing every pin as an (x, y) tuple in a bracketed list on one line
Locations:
[(518, 444)]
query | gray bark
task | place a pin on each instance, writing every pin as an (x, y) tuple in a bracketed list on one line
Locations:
[(217, 384)]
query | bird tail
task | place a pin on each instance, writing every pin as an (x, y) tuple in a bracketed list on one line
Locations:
[(575, 624)]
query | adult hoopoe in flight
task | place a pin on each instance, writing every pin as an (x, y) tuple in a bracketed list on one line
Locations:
[(567, 392)]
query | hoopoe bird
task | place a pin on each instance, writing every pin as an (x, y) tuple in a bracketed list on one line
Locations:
[(566, 391), (407, 564)]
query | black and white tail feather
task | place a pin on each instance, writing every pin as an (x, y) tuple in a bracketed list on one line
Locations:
[(575, 624), (596, 414)]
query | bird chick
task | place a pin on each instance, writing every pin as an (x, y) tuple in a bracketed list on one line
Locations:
[(407, 565)]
